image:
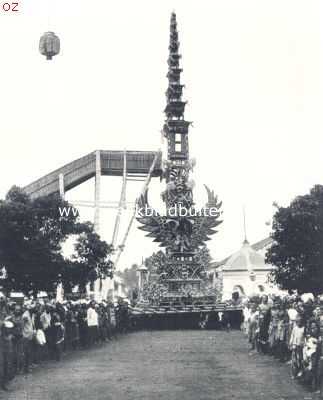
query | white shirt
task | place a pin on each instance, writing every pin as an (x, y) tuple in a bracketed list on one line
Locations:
[(92, 317), (297, 336), (45, 320), (292, 313), (246, 313), (28, 326)]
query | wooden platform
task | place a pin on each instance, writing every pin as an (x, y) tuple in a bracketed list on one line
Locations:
[(80, 170), (187, 317), (203, 308)]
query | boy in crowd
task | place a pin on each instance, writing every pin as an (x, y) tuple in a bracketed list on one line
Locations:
[(296, 344)]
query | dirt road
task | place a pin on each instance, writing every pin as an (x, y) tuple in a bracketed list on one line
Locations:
[(165, 365)]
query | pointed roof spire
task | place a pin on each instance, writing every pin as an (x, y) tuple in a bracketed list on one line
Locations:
[(245, 226)]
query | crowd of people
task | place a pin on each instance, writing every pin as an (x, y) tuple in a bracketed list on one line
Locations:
[(35, 331), (290, 329)]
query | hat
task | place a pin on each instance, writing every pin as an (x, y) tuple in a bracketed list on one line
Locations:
[(307, 297), (8, 324)]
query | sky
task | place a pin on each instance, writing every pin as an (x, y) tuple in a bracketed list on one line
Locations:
[(253, 76)]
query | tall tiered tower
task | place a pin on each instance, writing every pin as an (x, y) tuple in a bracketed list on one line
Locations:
[(175, 128), (183, 230)]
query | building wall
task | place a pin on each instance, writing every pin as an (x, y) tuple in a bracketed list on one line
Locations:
[(231, 277), (241, 281)]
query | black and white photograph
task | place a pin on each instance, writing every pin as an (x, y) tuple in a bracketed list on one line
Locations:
[(161, 200)]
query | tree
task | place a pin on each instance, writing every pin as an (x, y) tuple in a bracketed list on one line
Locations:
[(92, 258), (31, 233), (130, 277), (297, 249), (31, 237)]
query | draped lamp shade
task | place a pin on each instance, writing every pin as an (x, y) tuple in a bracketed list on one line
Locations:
[(49, 45)]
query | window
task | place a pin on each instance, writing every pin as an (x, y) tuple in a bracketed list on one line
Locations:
[(178, 142)]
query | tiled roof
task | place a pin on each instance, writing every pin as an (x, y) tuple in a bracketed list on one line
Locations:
[(256, 246), (262, 244)]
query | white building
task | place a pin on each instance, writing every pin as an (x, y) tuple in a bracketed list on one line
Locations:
[(244, 272)]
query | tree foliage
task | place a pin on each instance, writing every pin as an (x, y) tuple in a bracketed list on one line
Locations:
[(92, 257), (130, 277), (31, 237), (31, 233), (297, 250)]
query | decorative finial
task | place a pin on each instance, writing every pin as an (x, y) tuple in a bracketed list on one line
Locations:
[(245, 226)]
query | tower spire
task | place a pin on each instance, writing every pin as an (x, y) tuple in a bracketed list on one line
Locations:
[(245, 226), (175, 127)]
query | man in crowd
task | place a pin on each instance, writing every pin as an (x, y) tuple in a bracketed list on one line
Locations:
[(294, 335), (26, 330), (28, 334), (92, 323), (18, 338)]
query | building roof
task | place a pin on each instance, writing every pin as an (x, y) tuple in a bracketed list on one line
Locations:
[(248, 257), (245, 259), (262, 244)]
